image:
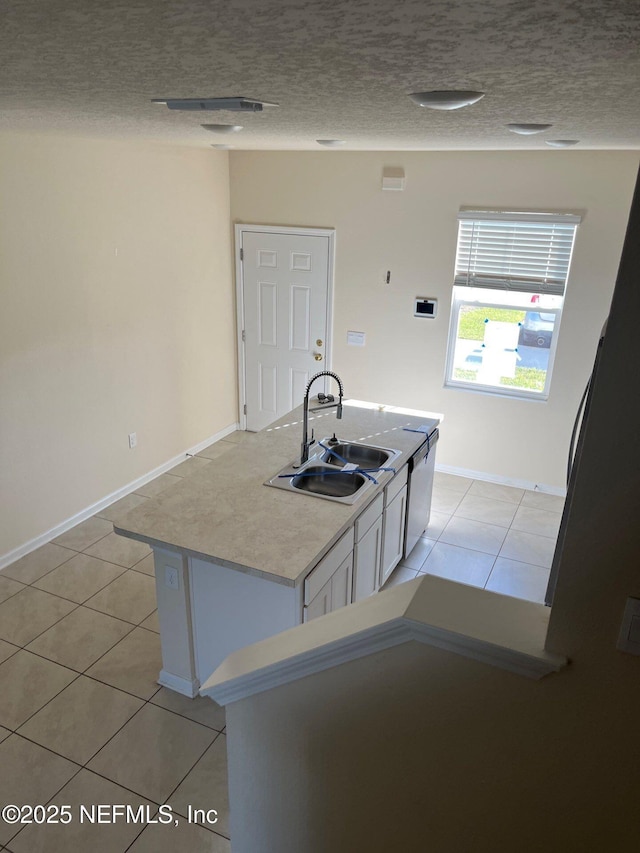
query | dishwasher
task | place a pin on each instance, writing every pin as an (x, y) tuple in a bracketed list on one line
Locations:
[(421, 470)]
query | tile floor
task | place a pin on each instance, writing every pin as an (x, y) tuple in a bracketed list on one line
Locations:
[(82, 719), (487, 535)]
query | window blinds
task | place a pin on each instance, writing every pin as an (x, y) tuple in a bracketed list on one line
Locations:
[(515, 251)]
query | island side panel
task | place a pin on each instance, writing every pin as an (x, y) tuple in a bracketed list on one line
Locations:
[(230, 610), (174, 615)]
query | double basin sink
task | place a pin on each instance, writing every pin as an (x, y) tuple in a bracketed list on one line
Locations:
[(329, 472)]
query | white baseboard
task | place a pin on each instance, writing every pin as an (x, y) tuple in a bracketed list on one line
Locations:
[(83, 515), (187, 687), (503, 481)]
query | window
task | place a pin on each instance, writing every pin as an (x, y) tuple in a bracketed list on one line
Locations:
[(510, 277)]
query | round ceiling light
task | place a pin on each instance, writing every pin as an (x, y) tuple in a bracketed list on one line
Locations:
[(222, 128), (221, 147), (446, 100), (528, 129), (330, 143), (561, 143)]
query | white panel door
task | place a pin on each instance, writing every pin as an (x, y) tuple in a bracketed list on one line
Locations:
[(285, 301)]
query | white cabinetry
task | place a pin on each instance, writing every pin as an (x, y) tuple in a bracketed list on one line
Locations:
[(368, 550), (364, 557), (393, 534), (328, 586)]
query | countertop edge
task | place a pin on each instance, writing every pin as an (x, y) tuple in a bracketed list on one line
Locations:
[(145, 522)]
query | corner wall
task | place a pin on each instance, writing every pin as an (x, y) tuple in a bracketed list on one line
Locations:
[(413, 234), (416, 749), (117, 317)]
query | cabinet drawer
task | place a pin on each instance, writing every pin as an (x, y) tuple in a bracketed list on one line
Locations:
[(396, 485), (332, 561), (368, 517)]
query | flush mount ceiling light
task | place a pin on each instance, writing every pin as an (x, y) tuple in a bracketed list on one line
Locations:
[(330, 143), (562, 143), (221, 147), (446, 100), (222, 128), (528, 129), (236, 104)]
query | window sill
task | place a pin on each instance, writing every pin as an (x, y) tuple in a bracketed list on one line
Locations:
[(487, 390)]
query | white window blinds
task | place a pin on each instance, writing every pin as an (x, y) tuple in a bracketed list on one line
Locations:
[(515, 251)]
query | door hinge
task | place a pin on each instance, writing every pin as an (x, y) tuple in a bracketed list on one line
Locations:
[(245, 408), (244, 337), (242, 254)]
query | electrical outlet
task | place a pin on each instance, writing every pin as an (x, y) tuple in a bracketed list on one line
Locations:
[(133, 440), (171, 577)]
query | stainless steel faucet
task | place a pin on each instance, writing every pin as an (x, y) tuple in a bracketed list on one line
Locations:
[(306, 442)]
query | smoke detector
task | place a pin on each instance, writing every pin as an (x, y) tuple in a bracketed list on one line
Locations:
[(528, 129), (453, 99), (562, 143)]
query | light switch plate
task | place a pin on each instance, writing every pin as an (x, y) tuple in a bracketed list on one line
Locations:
[(629, 637), (356, 339)]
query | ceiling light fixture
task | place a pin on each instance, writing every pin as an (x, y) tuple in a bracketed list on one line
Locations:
[(235, 104), (446, 100), (528, 129), (330, 143), (561, 143), (222, 128), (221, 147)]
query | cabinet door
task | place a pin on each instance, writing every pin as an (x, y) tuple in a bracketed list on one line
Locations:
[(341, 584), (393, 539), (334, 594), (317, 579), (319, 604), (367, 561)]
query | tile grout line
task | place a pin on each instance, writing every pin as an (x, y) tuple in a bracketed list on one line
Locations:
[(73, 609), (90, 545), (78, 674), (13, 837), (73, 554)]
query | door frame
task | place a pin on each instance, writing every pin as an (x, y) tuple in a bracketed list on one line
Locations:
[(278, 229)]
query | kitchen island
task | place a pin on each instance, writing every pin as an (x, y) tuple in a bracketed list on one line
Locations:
[(237, 561)]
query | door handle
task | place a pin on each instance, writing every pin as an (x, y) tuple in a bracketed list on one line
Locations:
[(317, 356)]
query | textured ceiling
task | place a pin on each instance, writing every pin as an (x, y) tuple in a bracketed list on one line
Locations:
[(338, 69)]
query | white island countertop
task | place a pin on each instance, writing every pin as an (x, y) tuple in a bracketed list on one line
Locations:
[(225, 514)]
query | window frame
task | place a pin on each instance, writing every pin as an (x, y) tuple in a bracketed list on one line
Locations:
[(516, 294), (496, 390)]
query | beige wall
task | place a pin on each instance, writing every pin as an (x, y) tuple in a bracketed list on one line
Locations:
[(413, 234), (117, 316), (418, 749)]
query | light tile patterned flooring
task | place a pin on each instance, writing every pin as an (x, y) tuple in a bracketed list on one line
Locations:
[(487, 535), (82, 719)]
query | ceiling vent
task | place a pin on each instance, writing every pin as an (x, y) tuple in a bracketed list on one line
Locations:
[(237, 104)]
